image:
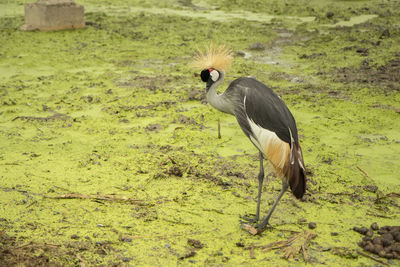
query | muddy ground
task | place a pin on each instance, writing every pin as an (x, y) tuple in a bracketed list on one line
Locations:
[(110, 156)]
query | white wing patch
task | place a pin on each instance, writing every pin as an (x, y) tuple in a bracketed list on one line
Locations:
[(268, 143)]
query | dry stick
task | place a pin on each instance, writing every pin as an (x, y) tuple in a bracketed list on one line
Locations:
[(55, 116), (219, 130), (370, 257), (82, 262), (305, 256), (165, 235), (252, 252), (378, 215), (105, 197), (366, 174)]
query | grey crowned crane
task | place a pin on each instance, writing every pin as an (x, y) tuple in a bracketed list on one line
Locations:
[(265, 120)]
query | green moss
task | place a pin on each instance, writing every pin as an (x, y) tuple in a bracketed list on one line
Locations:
[(114, 109)]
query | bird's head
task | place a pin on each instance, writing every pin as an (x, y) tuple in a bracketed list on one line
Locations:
[(209, 76), (213, 60)]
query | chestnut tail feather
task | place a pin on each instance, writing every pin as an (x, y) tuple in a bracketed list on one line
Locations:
[(296, 174)]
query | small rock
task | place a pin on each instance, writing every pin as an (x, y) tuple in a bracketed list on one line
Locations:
[(153, 127), (301, 220), (241, 54), (334, 233), (195, 243), (257, 46), (382, 231), (239, 244), (330, 14), (370, 232), (124, 120), (377, 240), (195, 95), (175, 170), (126, 259), (362, 51), (371, 188), (389, 255), (388, 237), (378, 249), (75, 237), (396, 236), (387, 242), (127, 239), (367, 238), (369, 247), (312, 225), (374, 226), (385, 34), (395, 229), (362, 230)]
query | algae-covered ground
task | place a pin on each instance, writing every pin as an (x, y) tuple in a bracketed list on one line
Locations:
[(109, 154)]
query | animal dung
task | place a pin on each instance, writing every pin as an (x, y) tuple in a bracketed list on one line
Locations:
[(384, 242)]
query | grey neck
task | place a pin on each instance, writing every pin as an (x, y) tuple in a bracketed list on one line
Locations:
[(219, 101)]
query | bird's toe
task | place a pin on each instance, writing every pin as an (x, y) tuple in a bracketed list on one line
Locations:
[(248, 219)]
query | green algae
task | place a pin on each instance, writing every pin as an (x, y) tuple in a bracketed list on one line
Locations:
[(128, 127)]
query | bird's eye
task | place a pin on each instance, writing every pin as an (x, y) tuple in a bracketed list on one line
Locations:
[(214, 75), (205, 74)]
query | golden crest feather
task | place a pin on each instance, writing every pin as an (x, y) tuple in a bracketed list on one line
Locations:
[(217, 57)]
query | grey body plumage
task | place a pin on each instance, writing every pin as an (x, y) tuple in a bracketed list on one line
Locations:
[(271, 127)]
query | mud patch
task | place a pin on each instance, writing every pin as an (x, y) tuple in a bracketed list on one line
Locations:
[(386, 76)]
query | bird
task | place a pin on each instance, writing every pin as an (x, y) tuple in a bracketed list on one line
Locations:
[(265, 120)]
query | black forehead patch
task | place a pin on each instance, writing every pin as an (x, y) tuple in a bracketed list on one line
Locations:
[(205, 74)]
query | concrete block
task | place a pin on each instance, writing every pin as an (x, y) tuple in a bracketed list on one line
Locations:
[(53, 15)]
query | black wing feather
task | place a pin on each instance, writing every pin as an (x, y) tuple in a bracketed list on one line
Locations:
[(264, 107)]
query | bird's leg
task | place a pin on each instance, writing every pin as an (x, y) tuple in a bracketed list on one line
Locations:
[(260, 183), (265, 220)]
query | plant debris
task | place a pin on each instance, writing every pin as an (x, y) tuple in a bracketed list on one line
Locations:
[(291, 247)]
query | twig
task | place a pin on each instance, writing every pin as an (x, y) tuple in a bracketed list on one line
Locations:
[(55, 116), (104, 197), (219, 130), (370, 257), (164, 236), (82, 262), (366, 174), (252, 252), (341, 194), (61, 188), (32, 203), (23, 245), (305, 256), (378, 215)]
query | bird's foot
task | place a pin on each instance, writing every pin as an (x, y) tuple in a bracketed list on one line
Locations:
[(249, 219), (261, 227), (253, 226)]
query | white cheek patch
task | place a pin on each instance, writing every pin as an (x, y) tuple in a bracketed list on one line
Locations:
[(214, 75)]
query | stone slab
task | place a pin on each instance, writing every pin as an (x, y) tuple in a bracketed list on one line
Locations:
[(53, 15)]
